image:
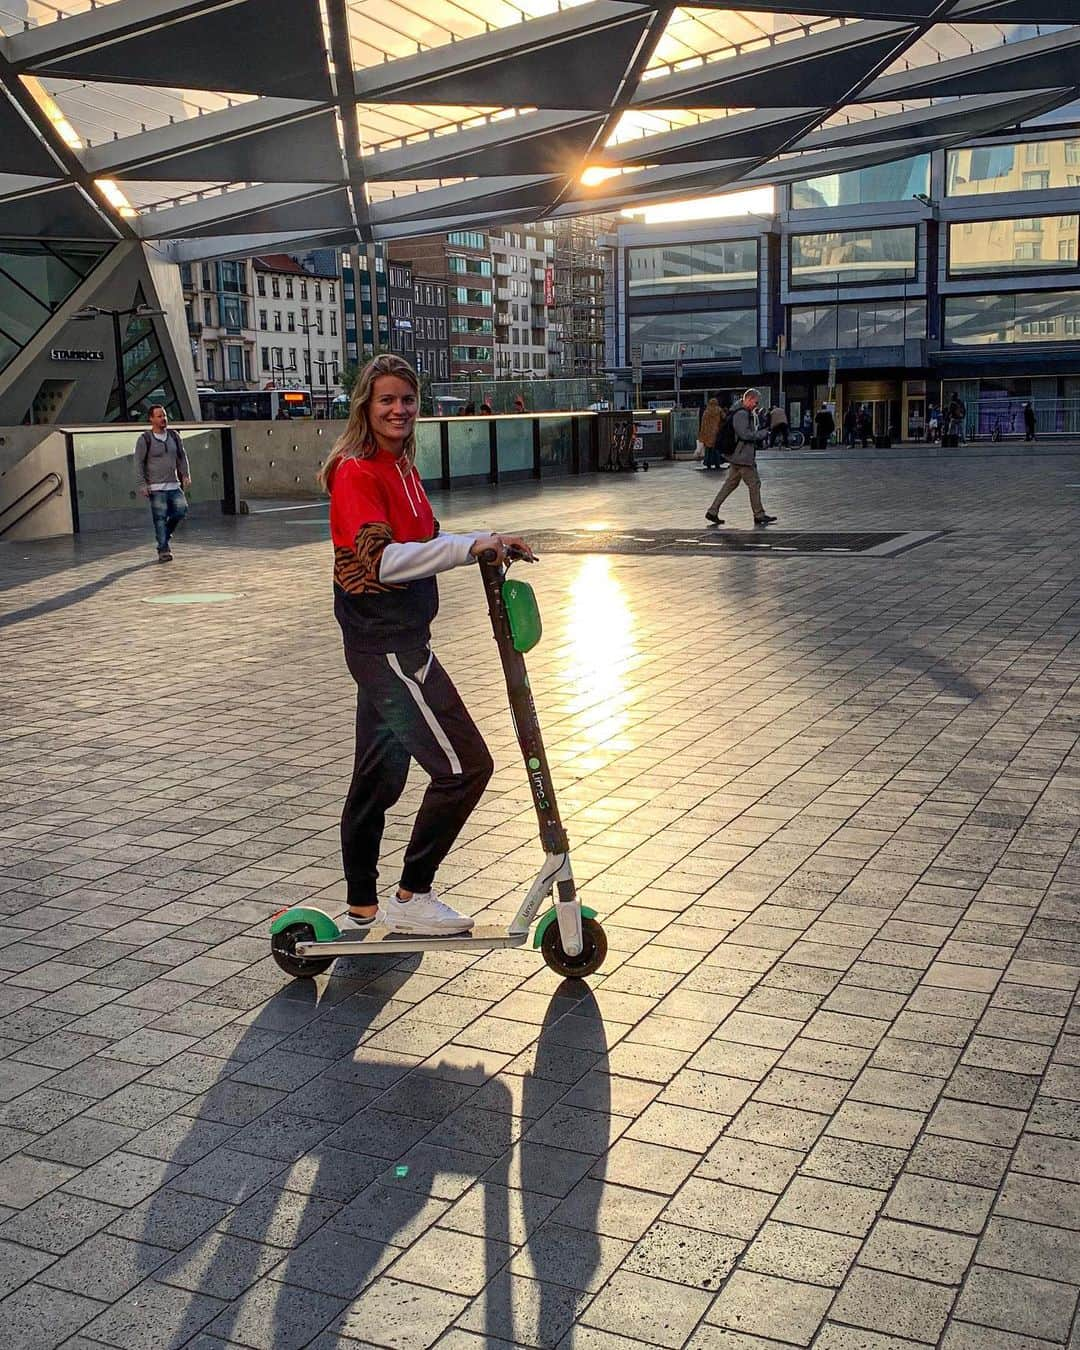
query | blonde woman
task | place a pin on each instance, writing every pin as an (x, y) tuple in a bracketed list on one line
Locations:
[(387, 552)]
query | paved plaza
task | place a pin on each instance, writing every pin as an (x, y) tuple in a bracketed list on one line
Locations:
[(824, 1091)]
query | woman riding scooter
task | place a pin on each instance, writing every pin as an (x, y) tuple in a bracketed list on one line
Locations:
[(387, 552)]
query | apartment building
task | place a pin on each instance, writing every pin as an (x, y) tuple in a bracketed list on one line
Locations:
[(218, 306), (298, 324), (522, 261)]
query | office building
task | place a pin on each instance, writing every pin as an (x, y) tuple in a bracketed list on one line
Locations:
[(891, 286)]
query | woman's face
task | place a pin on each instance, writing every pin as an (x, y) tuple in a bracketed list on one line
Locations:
[(392, 412)]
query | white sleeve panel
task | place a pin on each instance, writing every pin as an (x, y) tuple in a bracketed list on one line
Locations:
[(409, 562)]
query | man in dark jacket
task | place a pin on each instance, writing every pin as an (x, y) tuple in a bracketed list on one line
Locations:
[(743, 460)]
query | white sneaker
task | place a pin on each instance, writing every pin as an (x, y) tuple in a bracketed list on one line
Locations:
[(424, 913)]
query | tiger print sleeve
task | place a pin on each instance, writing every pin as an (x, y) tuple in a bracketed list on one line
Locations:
[(356, 569)]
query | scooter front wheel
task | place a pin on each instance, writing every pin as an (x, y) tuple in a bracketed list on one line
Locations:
[(588, 960), (283, 950)]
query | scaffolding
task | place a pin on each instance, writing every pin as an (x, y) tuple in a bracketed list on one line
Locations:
[(576, 327)]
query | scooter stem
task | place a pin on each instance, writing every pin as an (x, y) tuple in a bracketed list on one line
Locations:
[(523, 710)]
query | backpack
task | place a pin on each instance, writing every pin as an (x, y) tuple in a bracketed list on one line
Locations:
[(725, 438)]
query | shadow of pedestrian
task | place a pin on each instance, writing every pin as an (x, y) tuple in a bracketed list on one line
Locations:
[(74, 596), (319, 1182)]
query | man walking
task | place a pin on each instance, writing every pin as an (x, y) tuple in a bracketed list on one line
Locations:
[(743, 460), (162, 472)]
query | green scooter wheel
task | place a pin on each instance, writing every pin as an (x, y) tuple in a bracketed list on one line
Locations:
[(588, 960), (283, 950)]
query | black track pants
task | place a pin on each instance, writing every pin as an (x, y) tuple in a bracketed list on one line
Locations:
[(407, 708)]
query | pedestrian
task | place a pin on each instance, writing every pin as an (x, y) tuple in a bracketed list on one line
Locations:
[(711, 421), (933, 423), (956, 414), (824, 425), (745, 436), (162, 472), (851, 426), (866, 427), (806, 426), (519, 404), (387, 551), (1029, 421), (778, 427), (486, 409)]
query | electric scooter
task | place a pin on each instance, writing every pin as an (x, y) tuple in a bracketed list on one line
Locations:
[(305, 940)]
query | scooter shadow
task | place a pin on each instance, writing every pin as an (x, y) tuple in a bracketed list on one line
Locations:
[(322, 1186)]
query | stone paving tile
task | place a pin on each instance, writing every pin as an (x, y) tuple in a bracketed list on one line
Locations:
[(825, 1089)]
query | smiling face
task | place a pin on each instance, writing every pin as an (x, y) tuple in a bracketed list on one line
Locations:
[(392, 412)]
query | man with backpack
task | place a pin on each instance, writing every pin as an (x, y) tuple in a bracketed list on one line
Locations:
[(162, 472), (738, 440)]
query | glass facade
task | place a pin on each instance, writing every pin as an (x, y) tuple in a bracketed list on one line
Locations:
[(703, 334), (1028, 244), (874, 323), (895, 182), (1023, 166), (848, 257), (717, 266), (35, 279), (1020, 317)]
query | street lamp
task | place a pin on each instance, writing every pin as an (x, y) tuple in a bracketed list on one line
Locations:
[(306, 328), (89, 312)]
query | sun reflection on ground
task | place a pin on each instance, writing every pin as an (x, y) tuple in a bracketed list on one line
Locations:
[(600, 632)]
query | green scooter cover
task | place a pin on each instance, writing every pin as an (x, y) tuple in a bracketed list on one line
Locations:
[(523, 614)]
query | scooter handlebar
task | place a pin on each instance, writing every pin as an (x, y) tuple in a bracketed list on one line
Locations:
[(489, 556)]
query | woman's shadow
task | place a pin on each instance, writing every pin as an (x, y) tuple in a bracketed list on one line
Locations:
[(318, 1182)]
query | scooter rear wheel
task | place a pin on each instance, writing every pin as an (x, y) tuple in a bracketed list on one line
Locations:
[(283, 950), (589, 959)]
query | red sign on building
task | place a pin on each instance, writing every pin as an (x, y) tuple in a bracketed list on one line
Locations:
[(549, 286)]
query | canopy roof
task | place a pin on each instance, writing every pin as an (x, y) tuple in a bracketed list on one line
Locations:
[(242, 126)]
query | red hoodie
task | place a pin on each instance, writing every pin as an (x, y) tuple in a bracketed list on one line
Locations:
[(387, 550)]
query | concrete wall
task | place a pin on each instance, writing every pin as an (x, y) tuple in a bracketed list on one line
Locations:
[(281, 459), (19, 490)]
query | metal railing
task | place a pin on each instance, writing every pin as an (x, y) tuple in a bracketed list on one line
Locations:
[(51, 480)]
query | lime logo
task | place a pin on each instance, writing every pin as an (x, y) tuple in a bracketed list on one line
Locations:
[(534, 763)]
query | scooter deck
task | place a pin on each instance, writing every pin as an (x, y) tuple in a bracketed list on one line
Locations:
[(378, 938)]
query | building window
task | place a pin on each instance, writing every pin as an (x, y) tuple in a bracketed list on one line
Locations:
[(288, 288), (290, 322), (1011, 317), (275, 287), (1020, 166), (262, 320), (703, 334), (292, 358), (277, 320), (208, 311), (989, 246), (210, 364), (897, 181), (235, 358), (260, 284), (851, 257), (332, 292), (247, 364), (871, 323), (264, 354), (333, 323), (303, 288), (318, 292)]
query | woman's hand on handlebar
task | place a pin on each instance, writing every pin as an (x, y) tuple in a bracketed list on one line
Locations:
[(500, 544)]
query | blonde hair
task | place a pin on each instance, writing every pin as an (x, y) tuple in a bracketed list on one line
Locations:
[(356, 441)]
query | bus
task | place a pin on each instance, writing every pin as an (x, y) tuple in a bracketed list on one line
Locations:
[(254, 405)]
